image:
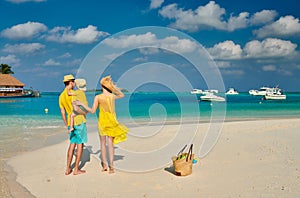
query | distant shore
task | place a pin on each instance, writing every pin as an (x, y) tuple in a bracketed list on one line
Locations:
[(252, 158)]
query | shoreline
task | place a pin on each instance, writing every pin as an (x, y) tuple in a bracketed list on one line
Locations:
[(15, 186)]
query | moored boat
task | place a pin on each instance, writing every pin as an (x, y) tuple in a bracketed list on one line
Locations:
[(212, 97), (231, 91), (275, 94), (261, 92), (196, 91)]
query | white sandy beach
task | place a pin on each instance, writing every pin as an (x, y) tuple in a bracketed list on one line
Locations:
[(251, 159)]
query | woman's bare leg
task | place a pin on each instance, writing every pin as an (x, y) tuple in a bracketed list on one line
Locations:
[(103, 152), (111, 153)]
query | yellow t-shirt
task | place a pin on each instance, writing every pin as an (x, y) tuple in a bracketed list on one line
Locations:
[(80, 95), (65, 101)]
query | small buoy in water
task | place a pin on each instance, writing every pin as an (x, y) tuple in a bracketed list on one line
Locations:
[(46, 110), (211, 104), (259, 102)]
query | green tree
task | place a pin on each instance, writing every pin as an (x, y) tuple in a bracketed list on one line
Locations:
[(5, 69)]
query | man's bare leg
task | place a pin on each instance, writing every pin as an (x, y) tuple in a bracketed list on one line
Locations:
[(69, 158), (78, 158)]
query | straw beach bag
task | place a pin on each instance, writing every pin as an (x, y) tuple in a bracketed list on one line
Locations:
[(183, 162)]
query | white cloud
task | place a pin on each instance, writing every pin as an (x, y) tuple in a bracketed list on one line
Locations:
[(263, 17), (89, 34), (51, 62), (223, 64), (149, 39), (23, 48), (23, 1), (25, 30), (270, 47), (213, 16), (284, 26), (149, 50), (11, 60), (269, 68), (233, 72), (156, 3), (226, 50), (209, 15), (140, 59), (285, 72), (65, 55), (241, 21), (112, 56), (75, 62), (131, 40), (273, 68)]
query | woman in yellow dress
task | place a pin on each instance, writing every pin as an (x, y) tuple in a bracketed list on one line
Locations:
[(110, 130)]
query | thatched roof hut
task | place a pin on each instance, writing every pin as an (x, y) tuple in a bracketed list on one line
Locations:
[(6, 80), (9, 85)]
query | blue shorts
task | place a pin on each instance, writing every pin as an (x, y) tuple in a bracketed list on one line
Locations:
[(79, 134)]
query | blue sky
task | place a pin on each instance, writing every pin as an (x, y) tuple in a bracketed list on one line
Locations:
[(252, 44)]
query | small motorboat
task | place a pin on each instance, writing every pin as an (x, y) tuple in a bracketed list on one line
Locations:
[(196, 91), (231, 91), (212, 97), (274, 94)]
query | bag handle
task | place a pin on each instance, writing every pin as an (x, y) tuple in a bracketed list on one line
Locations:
[(181, 151), (189, 153)]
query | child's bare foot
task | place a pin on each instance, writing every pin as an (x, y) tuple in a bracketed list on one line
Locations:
[(78, 172), (68, 172), (71, 129)]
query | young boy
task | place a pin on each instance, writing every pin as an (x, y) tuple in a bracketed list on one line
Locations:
[(77, 95)]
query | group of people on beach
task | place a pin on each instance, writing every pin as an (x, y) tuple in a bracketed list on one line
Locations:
[(74, 108)]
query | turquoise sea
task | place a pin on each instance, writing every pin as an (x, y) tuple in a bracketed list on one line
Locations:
[(24, 124), (149, 106)]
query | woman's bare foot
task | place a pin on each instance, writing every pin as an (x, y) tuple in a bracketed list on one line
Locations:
[(78, 172), (68, 171), (111, 170), (104, 167)]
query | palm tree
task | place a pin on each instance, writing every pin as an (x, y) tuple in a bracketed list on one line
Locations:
[(5, 69)]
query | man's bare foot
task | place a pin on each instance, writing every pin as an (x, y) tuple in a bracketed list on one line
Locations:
[(68, 172), (78, 172)]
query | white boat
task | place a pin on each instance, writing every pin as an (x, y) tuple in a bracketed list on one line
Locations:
[(231, 91), (212, 97), (196, 91), (210, 91), (274, 94), (261, 92)]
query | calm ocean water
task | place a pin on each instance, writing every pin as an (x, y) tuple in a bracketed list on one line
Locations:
[(24, 125), (30, 112)]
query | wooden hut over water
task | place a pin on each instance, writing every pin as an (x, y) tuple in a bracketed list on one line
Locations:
[(12, 87)]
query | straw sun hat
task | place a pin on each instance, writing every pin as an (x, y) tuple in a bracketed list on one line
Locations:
[(107, 82), (81, 84), (68, 78)]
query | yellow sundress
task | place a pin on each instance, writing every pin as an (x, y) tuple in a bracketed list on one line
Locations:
[(108, 125)]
